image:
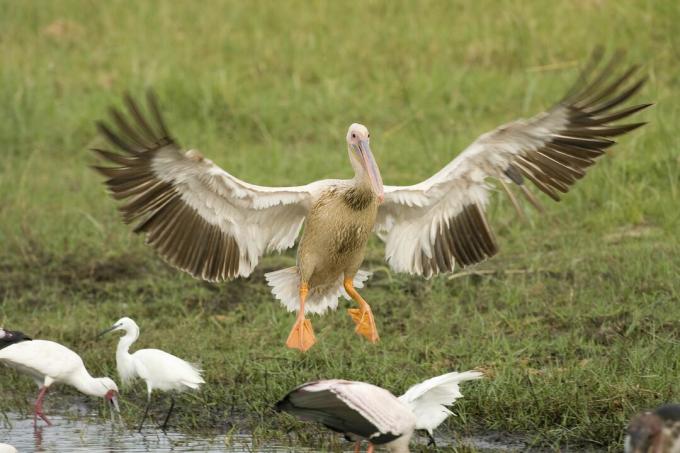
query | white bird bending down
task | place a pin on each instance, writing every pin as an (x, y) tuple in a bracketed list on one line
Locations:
[(47, 363), (365, 411), (157, 368), (214, 226)]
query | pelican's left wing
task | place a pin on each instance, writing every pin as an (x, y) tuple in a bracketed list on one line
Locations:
[(431, 226), (428, 400), (198, 217)]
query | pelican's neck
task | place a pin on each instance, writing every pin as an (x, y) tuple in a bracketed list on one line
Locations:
[(88, 385)]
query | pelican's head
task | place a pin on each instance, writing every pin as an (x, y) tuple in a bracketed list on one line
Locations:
[(362, 159), (644, 432), (126, 324)]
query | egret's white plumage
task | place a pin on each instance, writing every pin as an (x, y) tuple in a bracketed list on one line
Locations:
[(158, 369), (215, 226), (47, 362), (366, 411)]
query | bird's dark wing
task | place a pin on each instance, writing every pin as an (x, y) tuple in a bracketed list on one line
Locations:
[(440, 223), (326, 406), (8, 337), (198, 217), (669, 412)]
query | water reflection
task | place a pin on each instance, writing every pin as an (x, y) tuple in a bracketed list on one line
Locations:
[(92, 434)]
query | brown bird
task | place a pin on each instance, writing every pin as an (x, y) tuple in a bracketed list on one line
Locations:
[(654, 432), (214, 226)]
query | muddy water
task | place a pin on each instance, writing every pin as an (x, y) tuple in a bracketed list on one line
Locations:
[(93, 434), (89, 433)]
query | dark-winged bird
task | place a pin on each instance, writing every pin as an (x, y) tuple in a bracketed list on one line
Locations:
[(364, 411), (207, 222)]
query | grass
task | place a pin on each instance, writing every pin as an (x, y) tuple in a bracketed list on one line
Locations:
[(575, 321)]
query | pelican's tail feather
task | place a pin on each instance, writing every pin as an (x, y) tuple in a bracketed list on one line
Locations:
[(285, 285)]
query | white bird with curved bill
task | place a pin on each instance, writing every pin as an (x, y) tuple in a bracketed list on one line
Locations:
[(160, 370), (207, 222), (7, 448), (47, 363), (364, 411)]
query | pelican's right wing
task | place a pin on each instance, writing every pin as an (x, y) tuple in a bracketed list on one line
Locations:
[(198, 217), (440, 223)]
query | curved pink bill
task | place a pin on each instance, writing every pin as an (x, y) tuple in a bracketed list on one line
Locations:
[(371, 168)]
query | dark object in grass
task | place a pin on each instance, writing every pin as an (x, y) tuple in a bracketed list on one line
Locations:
[(8, 337), (654, 432)]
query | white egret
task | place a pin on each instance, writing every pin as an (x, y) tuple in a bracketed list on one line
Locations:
[(47, 363), (364, 411), (157, 368), (205, 221)]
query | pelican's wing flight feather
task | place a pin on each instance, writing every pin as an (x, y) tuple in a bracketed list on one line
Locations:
[(431, 226), (428, 400), (198, 217), (359, 408)]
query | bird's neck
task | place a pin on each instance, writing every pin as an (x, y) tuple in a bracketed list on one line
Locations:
[(88, 385), (123, 358), (359, 195)]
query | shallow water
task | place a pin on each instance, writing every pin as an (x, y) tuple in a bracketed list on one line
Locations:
[(94, 434), (90, 433)]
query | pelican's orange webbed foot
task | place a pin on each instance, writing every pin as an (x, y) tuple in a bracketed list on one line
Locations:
[(362, 316), (302, 335)]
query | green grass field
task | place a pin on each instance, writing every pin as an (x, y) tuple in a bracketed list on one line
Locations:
[(576, 320)]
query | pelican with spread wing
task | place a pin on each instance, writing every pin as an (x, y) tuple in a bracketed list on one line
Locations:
[(214, 226)]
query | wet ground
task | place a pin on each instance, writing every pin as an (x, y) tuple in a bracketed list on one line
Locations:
[(94, 434)]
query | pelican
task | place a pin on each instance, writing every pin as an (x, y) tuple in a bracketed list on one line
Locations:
[(207, 222), (47, 363), (657, 431), (157, 368), (364, 411)]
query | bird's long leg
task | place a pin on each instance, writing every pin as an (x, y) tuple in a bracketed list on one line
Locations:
[(146, 412), (362, 316), (38, 409), (370, 448), (431, 441), (357, 446), (167, 417), (301, 335)]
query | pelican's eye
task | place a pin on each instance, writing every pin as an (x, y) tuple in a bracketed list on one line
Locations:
[(354, 135)]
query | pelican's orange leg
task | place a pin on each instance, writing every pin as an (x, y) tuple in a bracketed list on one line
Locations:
[(357, 446), (302, 335), (362, 316), (370, 448)]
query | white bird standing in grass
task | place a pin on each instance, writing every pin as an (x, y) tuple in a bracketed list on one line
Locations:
[(47, 363), (365, 411), (157, 368)]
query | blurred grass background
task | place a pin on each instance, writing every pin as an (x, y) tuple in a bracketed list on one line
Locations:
[(577, 319)]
